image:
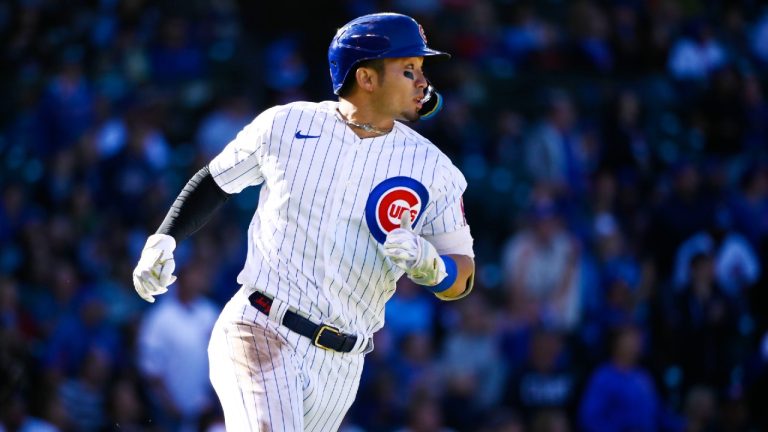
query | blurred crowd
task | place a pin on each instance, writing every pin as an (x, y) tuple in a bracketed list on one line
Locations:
[(617, 160)]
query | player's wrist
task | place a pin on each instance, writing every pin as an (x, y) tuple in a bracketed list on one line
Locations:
[(440, 277), (449, 273), (163, 242)]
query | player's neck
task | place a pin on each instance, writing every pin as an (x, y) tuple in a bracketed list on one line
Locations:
[(363, 119)]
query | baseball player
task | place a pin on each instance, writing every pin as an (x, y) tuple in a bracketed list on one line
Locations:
[(352, 199)]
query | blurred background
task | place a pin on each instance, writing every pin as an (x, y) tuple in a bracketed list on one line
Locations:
[(617, 160)]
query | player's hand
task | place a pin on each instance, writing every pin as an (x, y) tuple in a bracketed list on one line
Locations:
[(414, 255), (154, 272)]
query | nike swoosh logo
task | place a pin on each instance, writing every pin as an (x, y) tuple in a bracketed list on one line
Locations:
[(300, 135)]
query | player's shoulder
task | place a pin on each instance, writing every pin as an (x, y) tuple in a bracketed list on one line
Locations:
[(413, 138), (449, 173), (297, 108)]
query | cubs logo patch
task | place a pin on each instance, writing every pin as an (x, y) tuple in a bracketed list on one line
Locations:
[(387, 202)]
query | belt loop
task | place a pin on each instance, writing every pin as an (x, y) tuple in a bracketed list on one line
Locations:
[(278, 310), (369, 345), (361, 345)]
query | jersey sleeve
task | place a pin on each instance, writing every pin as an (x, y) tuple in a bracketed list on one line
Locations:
[(445, 225), (239, 164)]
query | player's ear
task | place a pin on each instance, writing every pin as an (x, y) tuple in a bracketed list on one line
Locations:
[(366, 77)]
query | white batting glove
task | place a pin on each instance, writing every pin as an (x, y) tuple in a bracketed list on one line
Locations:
[(154, 272), (414, 255)]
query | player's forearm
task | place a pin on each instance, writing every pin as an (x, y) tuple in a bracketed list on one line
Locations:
[(194, 206), (465, 274)]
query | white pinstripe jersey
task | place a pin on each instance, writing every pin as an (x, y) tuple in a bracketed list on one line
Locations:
[(328, 200)]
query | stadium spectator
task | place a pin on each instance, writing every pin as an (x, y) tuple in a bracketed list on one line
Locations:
[(473, 384), (542, 270), (556, 151), (736, 263), (179, 328), (621, 394), (702, 326), (546, 382)]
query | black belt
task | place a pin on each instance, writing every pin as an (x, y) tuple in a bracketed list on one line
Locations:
[(322, 335)]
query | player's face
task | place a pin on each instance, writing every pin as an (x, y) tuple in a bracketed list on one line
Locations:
[(402, 88)]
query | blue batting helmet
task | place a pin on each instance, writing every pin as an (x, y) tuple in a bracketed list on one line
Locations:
[(375, 36)]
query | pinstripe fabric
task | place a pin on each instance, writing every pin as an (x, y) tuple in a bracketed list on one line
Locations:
[(271, 379), (310, 247)]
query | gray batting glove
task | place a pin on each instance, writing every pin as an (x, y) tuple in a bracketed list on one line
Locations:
[(414, 255), (154, 272)]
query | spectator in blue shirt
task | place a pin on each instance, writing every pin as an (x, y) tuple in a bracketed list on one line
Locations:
[(620, 395)]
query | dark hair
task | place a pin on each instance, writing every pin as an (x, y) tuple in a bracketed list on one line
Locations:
[(349, 81), (699, 257)]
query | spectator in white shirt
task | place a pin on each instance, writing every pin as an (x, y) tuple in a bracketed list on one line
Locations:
[(172, 353)]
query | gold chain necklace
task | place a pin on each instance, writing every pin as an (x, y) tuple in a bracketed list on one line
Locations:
[(367, 127)]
